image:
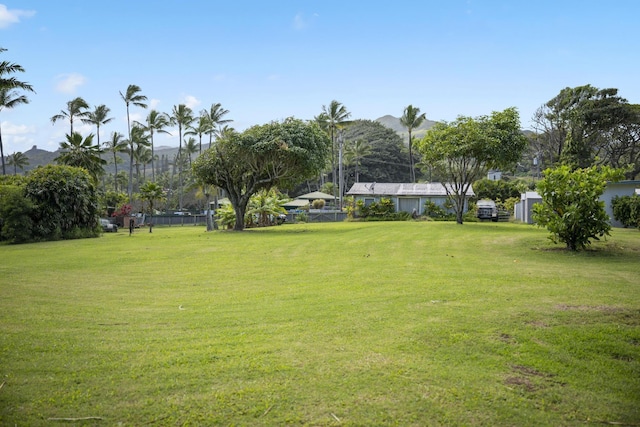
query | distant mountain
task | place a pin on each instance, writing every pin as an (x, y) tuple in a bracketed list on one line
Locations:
[(394, 123)]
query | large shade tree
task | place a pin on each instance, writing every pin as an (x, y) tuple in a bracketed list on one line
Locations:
[(10, 96), (411, 119), (278, 154), (466, 148)]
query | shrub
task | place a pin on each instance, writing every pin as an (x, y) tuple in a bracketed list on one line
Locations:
[(626, 209), (570, 208), (16, 225), (318, 204)]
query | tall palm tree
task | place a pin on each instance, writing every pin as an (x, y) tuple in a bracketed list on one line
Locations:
[(80, 152), (182, 116), (334, 116), (354, 153), (156, 122), (17, 160), (76, 108), (116, 145), (138, 143), (98, 117), (190, 147), (133, 97), (9, 96), (8, 100), (203, 126), (411, 119), (215, 116)]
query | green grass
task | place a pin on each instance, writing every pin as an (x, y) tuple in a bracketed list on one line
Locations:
[(322, 324)]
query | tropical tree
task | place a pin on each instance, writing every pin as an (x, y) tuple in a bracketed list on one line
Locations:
[(81, 152), (9, 95), (333, 117), (265, 206), (9, 99), (98, 117), (190, 147), (571, 208), (182, 116), (155, 123), (215, 116), (151, 192), (203, 126), (411, 119), (133, 97), (116, 145), (76, 108), (355, 152), (18, 160), (137, 145), (463, 150), (276, 154)]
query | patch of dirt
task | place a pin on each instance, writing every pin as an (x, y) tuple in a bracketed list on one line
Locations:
[(507, 338), (525, 383), (537, 324), (526, 370), (600, 308)]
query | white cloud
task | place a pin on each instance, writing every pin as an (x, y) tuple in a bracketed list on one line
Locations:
[(153, 104), (299, 23), (12, 129), (191, 102), (68, 83), (12, 16)]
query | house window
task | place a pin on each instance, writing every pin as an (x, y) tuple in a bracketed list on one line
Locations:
[(368, 201)]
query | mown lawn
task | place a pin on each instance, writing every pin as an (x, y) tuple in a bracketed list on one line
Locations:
[(413, 323)]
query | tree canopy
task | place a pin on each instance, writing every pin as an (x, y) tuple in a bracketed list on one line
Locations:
[(275, 154), (466, 148)]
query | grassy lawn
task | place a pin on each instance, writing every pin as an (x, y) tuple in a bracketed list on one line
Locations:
[(321, 324)]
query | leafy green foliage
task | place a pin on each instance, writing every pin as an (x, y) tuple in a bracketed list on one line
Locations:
[(626, 209), (570, 208), (276, 154), (65, 202), (383, 210), (498, 190), (15, 214), (463, 150)]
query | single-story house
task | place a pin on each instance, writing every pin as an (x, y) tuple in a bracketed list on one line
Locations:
[(523, 209), (296, 204), (406, 197), (316, 195)]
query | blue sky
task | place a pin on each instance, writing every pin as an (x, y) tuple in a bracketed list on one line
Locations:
[(267, 60)]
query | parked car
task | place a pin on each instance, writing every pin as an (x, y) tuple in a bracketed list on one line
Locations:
[(107, 226)]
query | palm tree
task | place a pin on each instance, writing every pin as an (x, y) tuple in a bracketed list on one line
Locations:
[(98, 117), (138, 143), (17, 160), (412, 119), (182, 117), (9, 96), (190, 147), (132, 97), (80, 152), (9, 99), (355, 152), (151, 192), (75, 108), (333, 116), (215, 116), (156, 122), (203, 127), (116, 145)]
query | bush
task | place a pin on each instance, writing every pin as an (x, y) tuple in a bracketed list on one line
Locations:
[(626, 209), (570, 208), (498, 190), (318, 204), (16, 225)]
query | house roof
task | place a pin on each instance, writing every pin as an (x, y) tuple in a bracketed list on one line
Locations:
[(400, 189), (295, 203), (316, 195)]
